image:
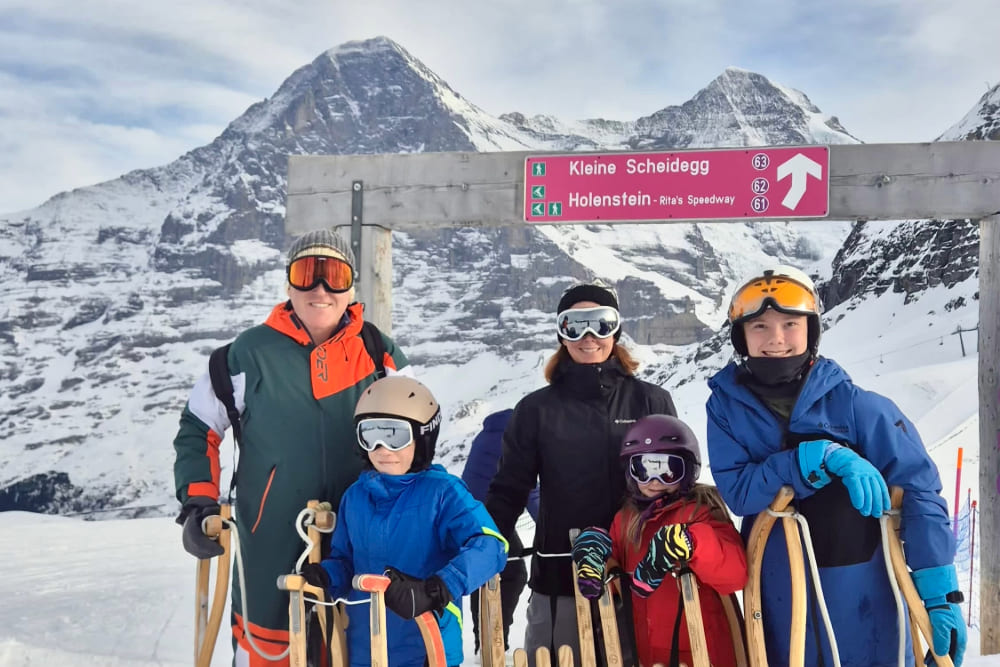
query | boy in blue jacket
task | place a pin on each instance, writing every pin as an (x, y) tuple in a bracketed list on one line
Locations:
[(411, 520), (783, 415)]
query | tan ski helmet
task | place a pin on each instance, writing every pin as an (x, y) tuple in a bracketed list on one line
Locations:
[(403, 397)]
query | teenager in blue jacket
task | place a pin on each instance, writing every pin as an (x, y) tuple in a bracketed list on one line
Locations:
[(782, 415), (411, 520)]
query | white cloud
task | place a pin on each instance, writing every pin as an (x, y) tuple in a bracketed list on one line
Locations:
[(170, 76)]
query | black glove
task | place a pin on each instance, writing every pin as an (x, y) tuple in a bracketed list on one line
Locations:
[(409, 597), (195, 541), (316, 574)]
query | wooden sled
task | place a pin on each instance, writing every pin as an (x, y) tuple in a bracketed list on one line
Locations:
[(919, 620), (762, 526), (375, 584)]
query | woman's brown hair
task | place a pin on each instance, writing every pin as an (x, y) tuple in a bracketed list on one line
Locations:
[(619, 351)]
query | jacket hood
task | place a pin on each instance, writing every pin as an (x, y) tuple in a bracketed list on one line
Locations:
[(824, 376), (386, 487), (497, 421)]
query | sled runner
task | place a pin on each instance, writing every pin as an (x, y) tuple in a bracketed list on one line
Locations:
[(920, 623), (206, 623)]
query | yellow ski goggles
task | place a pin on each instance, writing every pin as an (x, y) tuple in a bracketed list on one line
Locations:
[(779, 292)]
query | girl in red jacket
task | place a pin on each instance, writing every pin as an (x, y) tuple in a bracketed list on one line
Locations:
[(667, 521)]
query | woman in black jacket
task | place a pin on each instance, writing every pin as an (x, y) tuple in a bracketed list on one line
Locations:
[(568, 435)]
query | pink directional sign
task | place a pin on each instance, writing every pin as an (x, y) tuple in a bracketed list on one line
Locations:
[(725, 184)]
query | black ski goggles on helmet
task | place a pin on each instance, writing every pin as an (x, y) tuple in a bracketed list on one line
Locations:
[(393, 434), (575, 323), (666, 468), (306, 273)]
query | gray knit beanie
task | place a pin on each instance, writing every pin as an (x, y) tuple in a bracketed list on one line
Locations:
[(321, 242)]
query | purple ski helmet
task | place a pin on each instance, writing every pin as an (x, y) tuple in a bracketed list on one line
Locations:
[(662, 434)]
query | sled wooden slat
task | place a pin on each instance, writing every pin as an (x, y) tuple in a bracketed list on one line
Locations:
[(797, 571), (298, 620), (584, 623), (609, 628), (491, 646), (207, 624), (375, 584), (692, 615)]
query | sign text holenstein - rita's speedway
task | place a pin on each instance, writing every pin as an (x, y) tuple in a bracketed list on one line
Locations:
[(714, 184)]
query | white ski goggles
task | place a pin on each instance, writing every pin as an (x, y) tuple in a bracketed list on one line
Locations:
[(393, 434), (575, 323), (666, 468)]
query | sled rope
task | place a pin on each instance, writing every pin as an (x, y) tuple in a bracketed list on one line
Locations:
[(231, 524), (306, 518), (814, 574)]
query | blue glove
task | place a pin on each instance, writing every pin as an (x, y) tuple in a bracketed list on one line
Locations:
[(590, 550), (812, 456), (864, 482), (938, 588), (669, 549)]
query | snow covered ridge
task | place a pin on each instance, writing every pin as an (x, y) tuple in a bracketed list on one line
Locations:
[(981, 123), (114, 294)]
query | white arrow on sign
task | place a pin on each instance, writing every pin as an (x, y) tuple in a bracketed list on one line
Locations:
[(798, 166)]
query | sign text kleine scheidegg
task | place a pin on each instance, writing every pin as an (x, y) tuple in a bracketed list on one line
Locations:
[(725, 184)]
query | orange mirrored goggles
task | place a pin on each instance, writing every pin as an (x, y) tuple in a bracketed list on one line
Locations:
[(778, 292), (306, 273)]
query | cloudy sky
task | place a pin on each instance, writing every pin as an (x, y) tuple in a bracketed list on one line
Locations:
[(94, 88)]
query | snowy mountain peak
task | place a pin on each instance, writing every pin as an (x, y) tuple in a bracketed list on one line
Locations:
[(740, 108), (982, 123)]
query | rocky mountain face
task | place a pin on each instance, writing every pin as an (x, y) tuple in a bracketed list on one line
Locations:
[(906, 258), (114, 294)]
